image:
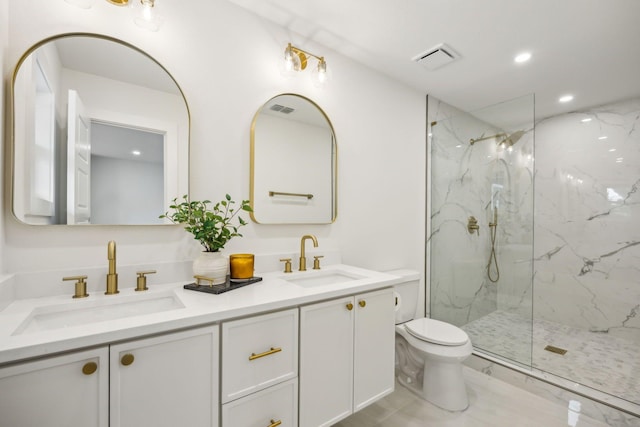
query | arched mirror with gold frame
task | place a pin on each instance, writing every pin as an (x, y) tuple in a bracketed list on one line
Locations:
[(293, 163), (100, 134)]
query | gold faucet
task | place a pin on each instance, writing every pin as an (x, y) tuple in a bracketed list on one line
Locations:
[(303, 259), (112, 276)]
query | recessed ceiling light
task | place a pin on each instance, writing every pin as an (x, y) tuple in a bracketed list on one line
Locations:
[(602, 137), (136, 152), (612, 150), (566, 98), (587, 120), (523, 57)]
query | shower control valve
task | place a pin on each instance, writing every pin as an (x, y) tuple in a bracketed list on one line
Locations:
[(472, 225)]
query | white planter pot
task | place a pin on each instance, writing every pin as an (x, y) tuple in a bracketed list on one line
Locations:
[(214, 265)]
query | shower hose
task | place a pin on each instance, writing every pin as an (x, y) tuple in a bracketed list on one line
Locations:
[(492, 256)]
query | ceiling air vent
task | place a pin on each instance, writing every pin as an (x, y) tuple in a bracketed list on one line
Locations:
[(282, 109), (436, 57)]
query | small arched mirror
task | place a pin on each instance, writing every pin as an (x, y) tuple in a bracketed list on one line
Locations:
[(100, 134), (293, 163)]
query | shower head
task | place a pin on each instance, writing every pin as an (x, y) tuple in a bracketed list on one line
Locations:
[(509, 140), (502, 138)]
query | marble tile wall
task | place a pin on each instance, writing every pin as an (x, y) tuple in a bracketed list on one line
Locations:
[(587, 228), (470, 180)]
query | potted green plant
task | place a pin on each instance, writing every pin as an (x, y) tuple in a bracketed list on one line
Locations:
[(213, 226)]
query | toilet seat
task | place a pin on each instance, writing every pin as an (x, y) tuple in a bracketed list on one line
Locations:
[(436, 332)]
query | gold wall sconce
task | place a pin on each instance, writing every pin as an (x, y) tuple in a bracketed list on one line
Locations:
[(145, 12), (296, 59)]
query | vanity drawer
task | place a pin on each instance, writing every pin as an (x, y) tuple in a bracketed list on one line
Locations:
[(275, 406), (258, 352)]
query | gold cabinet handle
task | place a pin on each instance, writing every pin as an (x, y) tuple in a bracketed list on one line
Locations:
[(89, 368), (362, 303), (266, 353), (127, 359), (275, 423), (349, 306)]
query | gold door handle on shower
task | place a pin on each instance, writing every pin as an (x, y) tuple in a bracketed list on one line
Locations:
[(275, 423), (266, 353)]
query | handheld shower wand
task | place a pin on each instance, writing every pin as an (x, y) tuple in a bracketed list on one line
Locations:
[(493, 226)]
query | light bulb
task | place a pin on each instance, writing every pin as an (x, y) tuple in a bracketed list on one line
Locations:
[(320, 75), (146, 15), (290, 64)]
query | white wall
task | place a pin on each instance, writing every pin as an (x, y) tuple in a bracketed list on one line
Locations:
[(226, 61), (292, 157), (126, 191)]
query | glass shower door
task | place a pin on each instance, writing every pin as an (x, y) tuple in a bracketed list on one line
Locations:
[(481, 234)]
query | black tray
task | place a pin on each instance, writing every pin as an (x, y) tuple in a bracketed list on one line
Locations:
[(229, 285)]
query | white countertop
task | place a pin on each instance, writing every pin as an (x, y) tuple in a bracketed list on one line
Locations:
[(272, 293)]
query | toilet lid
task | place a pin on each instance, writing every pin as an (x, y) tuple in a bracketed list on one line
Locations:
[(436, 332)]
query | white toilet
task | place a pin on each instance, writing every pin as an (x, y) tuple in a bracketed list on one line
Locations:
[(429, 353)]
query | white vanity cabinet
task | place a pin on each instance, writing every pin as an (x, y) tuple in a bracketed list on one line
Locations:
[(260, 370), (167, 380), (59, 391), (346, 356)]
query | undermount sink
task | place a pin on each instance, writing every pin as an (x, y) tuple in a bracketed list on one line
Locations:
[(321, 278), (79, 313)]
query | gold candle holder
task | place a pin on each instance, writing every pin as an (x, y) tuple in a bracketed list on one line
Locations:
[(241, 266)]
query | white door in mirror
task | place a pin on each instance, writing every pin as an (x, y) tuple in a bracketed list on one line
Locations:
[(78, 162)]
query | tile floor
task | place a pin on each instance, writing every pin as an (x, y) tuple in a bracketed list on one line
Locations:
[(494, 403), (598, 360)]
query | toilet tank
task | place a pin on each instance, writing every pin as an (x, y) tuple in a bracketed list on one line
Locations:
[(406, 293)]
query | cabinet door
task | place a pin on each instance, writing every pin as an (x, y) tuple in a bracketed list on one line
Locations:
[(62, 391), (258, 352), (326, 362), (274, 406), (374, 348), (169, 380)]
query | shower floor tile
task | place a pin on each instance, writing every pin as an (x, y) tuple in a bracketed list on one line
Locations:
[(597, 360)]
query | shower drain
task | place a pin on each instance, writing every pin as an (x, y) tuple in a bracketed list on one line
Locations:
[(556, 350)]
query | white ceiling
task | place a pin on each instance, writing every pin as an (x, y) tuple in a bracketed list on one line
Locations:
[(588, 48), (113, 60)]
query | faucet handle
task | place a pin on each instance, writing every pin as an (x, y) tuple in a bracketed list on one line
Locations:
[(81, 286), (142, 280), (287, 264), (316, 261)]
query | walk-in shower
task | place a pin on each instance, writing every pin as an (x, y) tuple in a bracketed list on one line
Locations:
[(538, 262)]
